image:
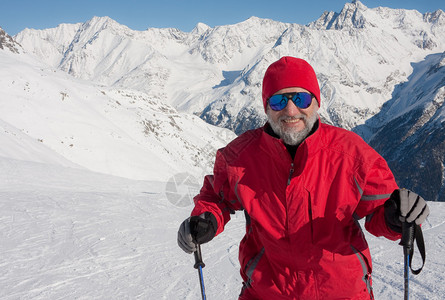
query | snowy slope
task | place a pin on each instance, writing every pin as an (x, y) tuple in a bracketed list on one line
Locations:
[(73, 234), (20, 146), (114, 131), (362, 57), (359, 54), (409, 131), (52, 42), (71, 225)]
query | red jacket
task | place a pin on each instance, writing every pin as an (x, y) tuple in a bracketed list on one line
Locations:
[(303, 240)]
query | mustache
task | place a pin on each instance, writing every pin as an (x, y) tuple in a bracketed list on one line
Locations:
[(287, 118)]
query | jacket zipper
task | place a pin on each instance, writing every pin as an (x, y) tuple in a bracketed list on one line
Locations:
[(290, 173)]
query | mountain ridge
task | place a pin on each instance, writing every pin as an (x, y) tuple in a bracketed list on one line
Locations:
[(8, 43), (61, 120), (241, 46), (412, 139), (361, 55)]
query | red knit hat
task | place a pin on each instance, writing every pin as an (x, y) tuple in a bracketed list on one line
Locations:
[(289, 72)]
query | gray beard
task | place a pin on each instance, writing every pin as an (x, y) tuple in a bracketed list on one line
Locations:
[(291, 137)]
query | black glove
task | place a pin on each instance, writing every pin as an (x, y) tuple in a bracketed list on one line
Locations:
[(196, 230), (405, 206)]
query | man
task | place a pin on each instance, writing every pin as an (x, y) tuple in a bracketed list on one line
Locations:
[(302, 185)]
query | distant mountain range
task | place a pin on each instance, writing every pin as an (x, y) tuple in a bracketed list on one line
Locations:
[(380, 70), (48, 116)]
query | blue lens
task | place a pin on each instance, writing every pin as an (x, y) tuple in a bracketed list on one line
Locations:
[(301, 100)]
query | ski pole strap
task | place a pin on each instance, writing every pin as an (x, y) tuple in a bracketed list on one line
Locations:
[(411, 232)]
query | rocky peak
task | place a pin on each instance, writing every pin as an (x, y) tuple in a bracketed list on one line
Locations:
[(437, 17), (8, 43), (351, 16)]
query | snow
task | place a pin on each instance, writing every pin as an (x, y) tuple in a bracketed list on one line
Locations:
[(120, 132), (98, 171), (90, 204), (359, 55), (75, 234)]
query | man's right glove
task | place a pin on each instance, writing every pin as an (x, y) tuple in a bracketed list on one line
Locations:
[(196, 230), (405, 206)]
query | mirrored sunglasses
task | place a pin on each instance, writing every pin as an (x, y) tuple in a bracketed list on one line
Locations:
[(279, 101)]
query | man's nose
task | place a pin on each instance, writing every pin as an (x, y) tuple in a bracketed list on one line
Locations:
[(291, 109)]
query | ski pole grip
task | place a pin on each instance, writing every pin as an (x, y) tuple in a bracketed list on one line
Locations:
[(407, 240), (198, 257)]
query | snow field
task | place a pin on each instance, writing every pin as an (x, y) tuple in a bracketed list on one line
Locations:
[(73, 234)]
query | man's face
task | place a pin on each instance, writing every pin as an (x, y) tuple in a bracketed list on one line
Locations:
[(293, 124)]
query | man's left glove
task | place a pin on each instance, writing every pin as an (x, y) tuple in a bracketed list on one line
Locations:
[(196, 230), (405, 206)]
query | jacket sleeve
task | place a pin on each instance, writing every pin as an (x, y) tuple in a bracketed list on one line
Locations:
[(377, 188), (217, 195)]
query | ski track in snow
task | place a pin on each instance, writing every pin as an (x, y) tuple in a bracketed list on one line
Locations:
[(73, 234)]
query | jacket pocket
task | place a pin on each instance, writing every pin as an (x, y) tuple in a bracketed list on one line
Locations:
[(366, 270), (251, 266)]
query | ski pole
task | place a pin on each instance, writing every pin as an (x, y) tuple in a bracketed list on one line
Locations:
[(199, 264), (407, 242)]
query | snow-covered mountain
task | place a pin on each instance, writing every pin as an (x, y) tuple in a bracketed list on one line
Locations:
[(359, 54), (362, 57), (50, 117), (409, 130), (8, 43), (81, 100)]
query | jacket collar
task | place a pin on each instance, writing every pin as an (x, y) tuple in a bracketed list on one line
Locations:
[(272, 144)]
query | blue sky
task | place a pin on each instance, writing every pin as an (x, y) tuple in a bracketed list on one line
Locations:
[(16, 15)]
